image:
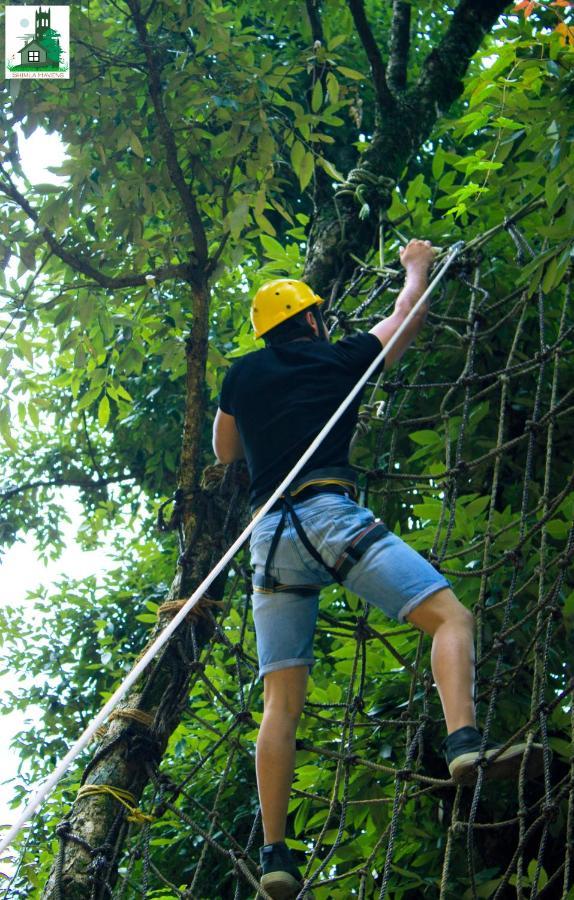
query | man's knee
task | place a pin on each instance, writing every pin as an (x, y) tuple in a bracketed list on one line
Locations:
[(284, 692), (440, 608)]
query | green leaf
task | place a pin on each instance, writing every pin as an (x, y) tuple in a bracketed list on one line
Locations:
[(297, 157), (97, 377), (103, 411), (273, 249), (569, 605), (476, 507), (336, 41), (136, 145), (24, 347), (350, 73), (121, 392), (80, 357), (86, 309), (5, 428), (438, 162), (317, 96), (332, 88), (47, 188), (88, 398), (425, 437), (33, 413), (238, 218), (264, 224), (503, 122), (306, 170), (330, 169)]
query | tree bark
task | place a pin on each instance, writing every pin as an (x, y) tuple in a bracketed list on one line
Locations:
[(93, 832)]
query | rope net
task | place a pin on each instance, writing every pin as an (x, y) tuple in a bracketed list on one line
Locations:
[(463, 451)]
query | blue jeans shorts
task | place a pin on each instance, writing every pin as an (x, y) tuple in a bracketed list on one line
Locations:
[(390, 575)]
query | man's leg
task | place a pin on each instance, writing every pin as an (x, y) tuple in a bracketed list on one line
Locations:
[(284, 697), (452, 658), (451, 627)]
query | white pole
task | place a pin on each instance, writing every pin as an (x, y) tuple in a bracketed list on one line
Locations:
[(162, 639)]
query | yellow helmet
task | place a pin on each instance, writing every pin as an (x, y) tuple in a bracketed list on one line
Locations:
[(278, 300)]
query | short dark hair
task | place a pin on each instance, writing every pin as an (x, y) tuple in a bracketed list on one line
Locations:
[(295, 327)]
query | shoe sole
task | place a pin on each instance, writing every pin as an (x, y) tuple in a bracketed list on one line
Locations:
[(281, 885), (506, 765)]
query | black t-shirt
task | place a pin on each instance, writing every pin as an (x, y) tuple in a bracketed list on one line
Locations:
[(282, 396)]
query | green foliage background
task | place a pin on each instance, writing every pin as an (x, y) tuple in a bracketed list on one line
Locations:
[(95, 381)]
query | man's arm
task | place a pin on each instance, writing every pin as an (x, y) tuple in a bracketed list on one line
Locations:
[(416, 259), (227, 444)]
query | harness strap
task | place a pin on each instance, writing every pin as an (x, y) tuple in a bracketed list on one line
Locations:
[(358, 547), (269, 580), (270, 585), (350, 556), (324, 478), (288, 501)]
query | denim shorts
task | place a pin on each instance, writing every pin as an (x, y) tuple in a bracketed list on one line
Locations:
[(390, 575)]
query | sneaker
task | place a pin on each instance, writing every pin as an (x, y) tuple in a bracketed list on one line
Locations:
[(462, 750), (281, 878)]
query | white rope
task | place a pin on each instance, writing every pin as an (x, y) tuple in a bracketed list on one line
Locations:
[(162, 639)]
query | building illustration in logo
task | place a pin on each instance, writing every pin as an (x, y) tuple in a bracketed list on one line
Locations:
[(43, 53), (44, 50)]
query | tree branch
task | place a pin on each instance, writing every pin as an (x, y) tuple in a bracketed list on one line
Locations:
[(406, 122), (168, 139), (384, 96), (84, 483), (440, 81), (399, 45), (315, 20), (80, 264)]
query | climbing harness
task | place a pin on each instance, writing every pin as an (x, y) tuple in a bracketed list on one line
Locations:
[(315, 482)]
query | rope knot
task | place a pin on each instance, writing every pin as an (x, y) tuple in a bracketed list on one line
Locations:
[(244, 716), (550, 811), (364, 186), (63, 829), (104, 852), (515, 557), (170, 525)]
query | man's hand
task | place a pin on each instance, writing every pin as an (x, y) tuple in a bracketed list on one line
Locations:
[(417, 256)]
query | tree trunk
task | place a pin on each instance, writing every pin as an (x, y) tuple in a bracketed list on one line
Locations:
[(92, 834)]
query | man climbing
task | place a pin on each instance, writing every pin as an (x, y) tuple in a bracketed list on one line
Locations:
[(273, 403)]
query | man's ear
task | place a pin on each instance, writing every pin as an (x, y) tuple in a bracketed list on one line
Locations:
[(311, 321)]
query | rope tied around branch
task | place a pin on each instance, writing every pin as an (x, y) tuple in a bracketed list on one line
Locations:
[(121, 795), (138, 716), (362, 184), (200, 610)]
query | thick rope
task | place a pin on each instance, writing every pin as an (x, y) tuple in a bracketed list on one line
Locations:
[(126, 798)]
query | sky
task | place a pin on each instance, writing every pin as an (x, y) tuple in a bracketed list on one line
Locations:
[(21, 570)]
